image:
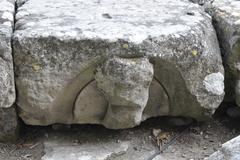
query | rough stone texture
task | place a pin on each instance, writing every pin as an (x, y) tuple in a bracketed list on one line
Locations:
[(125, 83), (8, 117), (226, 18), (63, 151), (229, 150), (158, 157), (7, 90), (8, 125), (201, 2), (115, 62)]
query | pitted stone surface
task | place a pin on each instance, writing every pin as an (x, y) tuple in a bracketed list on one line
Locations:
[(8, 116), (107, 20), (226, 18), (7, 90), (61, 48)]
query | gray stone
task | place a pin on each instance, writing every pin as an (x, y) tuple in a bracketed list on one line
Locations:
[(7, 90), (115, 62), (202, 2), (158, 157), (229, 150), (8, 117), (8, 125), (62, 151), (125, 83), (226, 20)]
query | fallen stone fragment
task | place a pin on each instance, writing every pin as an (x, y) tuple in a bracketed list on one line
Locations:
[(61, 151), (229, 150), (8, 117), (226, 20), (115, 63)]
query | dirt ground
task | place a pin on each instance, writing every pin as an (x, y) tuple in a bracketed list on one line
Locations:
[(193, 142)]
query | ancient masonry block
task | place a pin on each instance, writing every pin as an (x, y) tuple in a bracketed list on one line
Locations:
[(115, 62), (8, 116), (226, 18)]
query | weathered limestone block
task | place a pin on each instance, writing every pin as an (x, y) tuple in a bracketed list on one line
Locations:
[(8, 117), (226, 18), (7, 90), (229, 150), (115, 62)]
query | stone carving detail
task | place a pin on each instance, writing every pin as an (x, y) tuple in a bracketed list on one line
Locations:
[(91, 105), (125, 83), (115, 70)]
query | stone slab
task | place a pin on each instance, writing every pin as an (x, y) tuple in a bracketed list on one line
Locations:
[(62, 151), (229, 150)]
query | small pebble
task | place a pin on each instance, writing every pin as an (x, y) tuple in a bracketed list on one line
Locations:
[(206, 137), (106, 15)]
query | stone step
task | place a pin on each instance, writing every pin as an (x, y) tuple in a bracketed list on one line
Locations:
[(115, 63)]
